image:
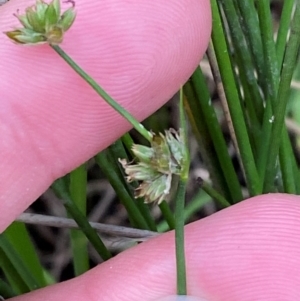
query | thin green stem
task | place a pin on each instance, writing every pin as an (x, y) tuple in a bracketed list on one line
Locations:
[(289, 64), (234, 103), (135, 123), (167, 214), (78, 186), (179, 237), (128, 143), (6, 291), (18, 264), (179, 205), (251, 30), (135, 216), (12, 275), (241, 50), (204, 102), (284, 27), (60, 187), (273, 62), (287, 169), (270, 57), (183, 126), (214, 194), (192, 207), (205, 143)]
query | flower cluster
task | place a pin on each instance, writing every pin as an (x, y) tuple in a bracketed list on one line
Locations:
[(156, 165), (43, 23)]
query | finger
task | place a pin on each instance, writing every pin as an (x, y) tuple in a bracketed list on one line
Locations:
[(247, 252), (51, 120)]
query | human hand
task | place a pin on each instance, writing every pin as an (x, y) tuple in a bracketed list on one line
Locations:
[(51, 121)]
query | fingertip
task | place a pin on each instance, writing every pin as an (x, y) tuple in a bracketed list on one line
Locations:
[(181, 298)]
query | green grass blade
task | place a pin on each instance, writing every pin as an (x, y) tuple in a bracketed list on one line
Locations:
[(232, 95), (204, 104), (60, 187), (12, 275), (78, 183), (205, 143), (19, 239), (6, 291), (135, 216), (18, 263), (289, 64), (283, 30)]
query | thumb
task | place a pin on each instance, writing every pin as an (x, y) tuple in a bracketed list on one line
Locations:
[(247, 252), (52, 121)]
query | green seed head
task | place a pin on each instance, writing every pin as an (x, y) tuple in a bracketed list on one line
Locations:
[(43, 23)]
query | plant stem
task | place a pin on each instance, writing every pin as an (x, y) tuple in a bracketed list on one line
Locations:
[(179, 206), (78, 186), (134, 214), (213, 193), (250, 26), (167, 214), (205, 144), (204, 103), (284, 29), (6, 291), (234, 103), (135, 123), (61, 189), (179, 237), (289, 64), (270, 57)]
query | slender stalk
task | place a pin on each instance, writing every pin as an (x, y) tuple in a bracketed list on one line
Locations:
[(213, 193), (283, 30), (270, 57), (287, 169), (273, 61), (167, 214), (234, 104), (251, 30), (61, 189), (289, 64), (13, 276), (205, 144), (20, 240), (204, 102), (179, 206), (179, 237), (18, 264), (128, 143), (135, 123), (135, 216), (78, 184), (183, 125), (6, 291), (241, 51)]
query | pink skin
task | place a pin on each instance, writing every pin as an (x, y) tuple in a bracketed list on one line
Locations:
[(51, 121)]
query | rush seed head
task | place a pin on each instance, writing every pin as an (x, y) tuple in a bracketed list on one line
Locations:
[(156, 165), (43, 23)]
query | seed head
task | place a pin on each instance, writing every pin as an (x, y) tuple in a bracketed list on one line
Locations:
[(156, 165), (43, 23)]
